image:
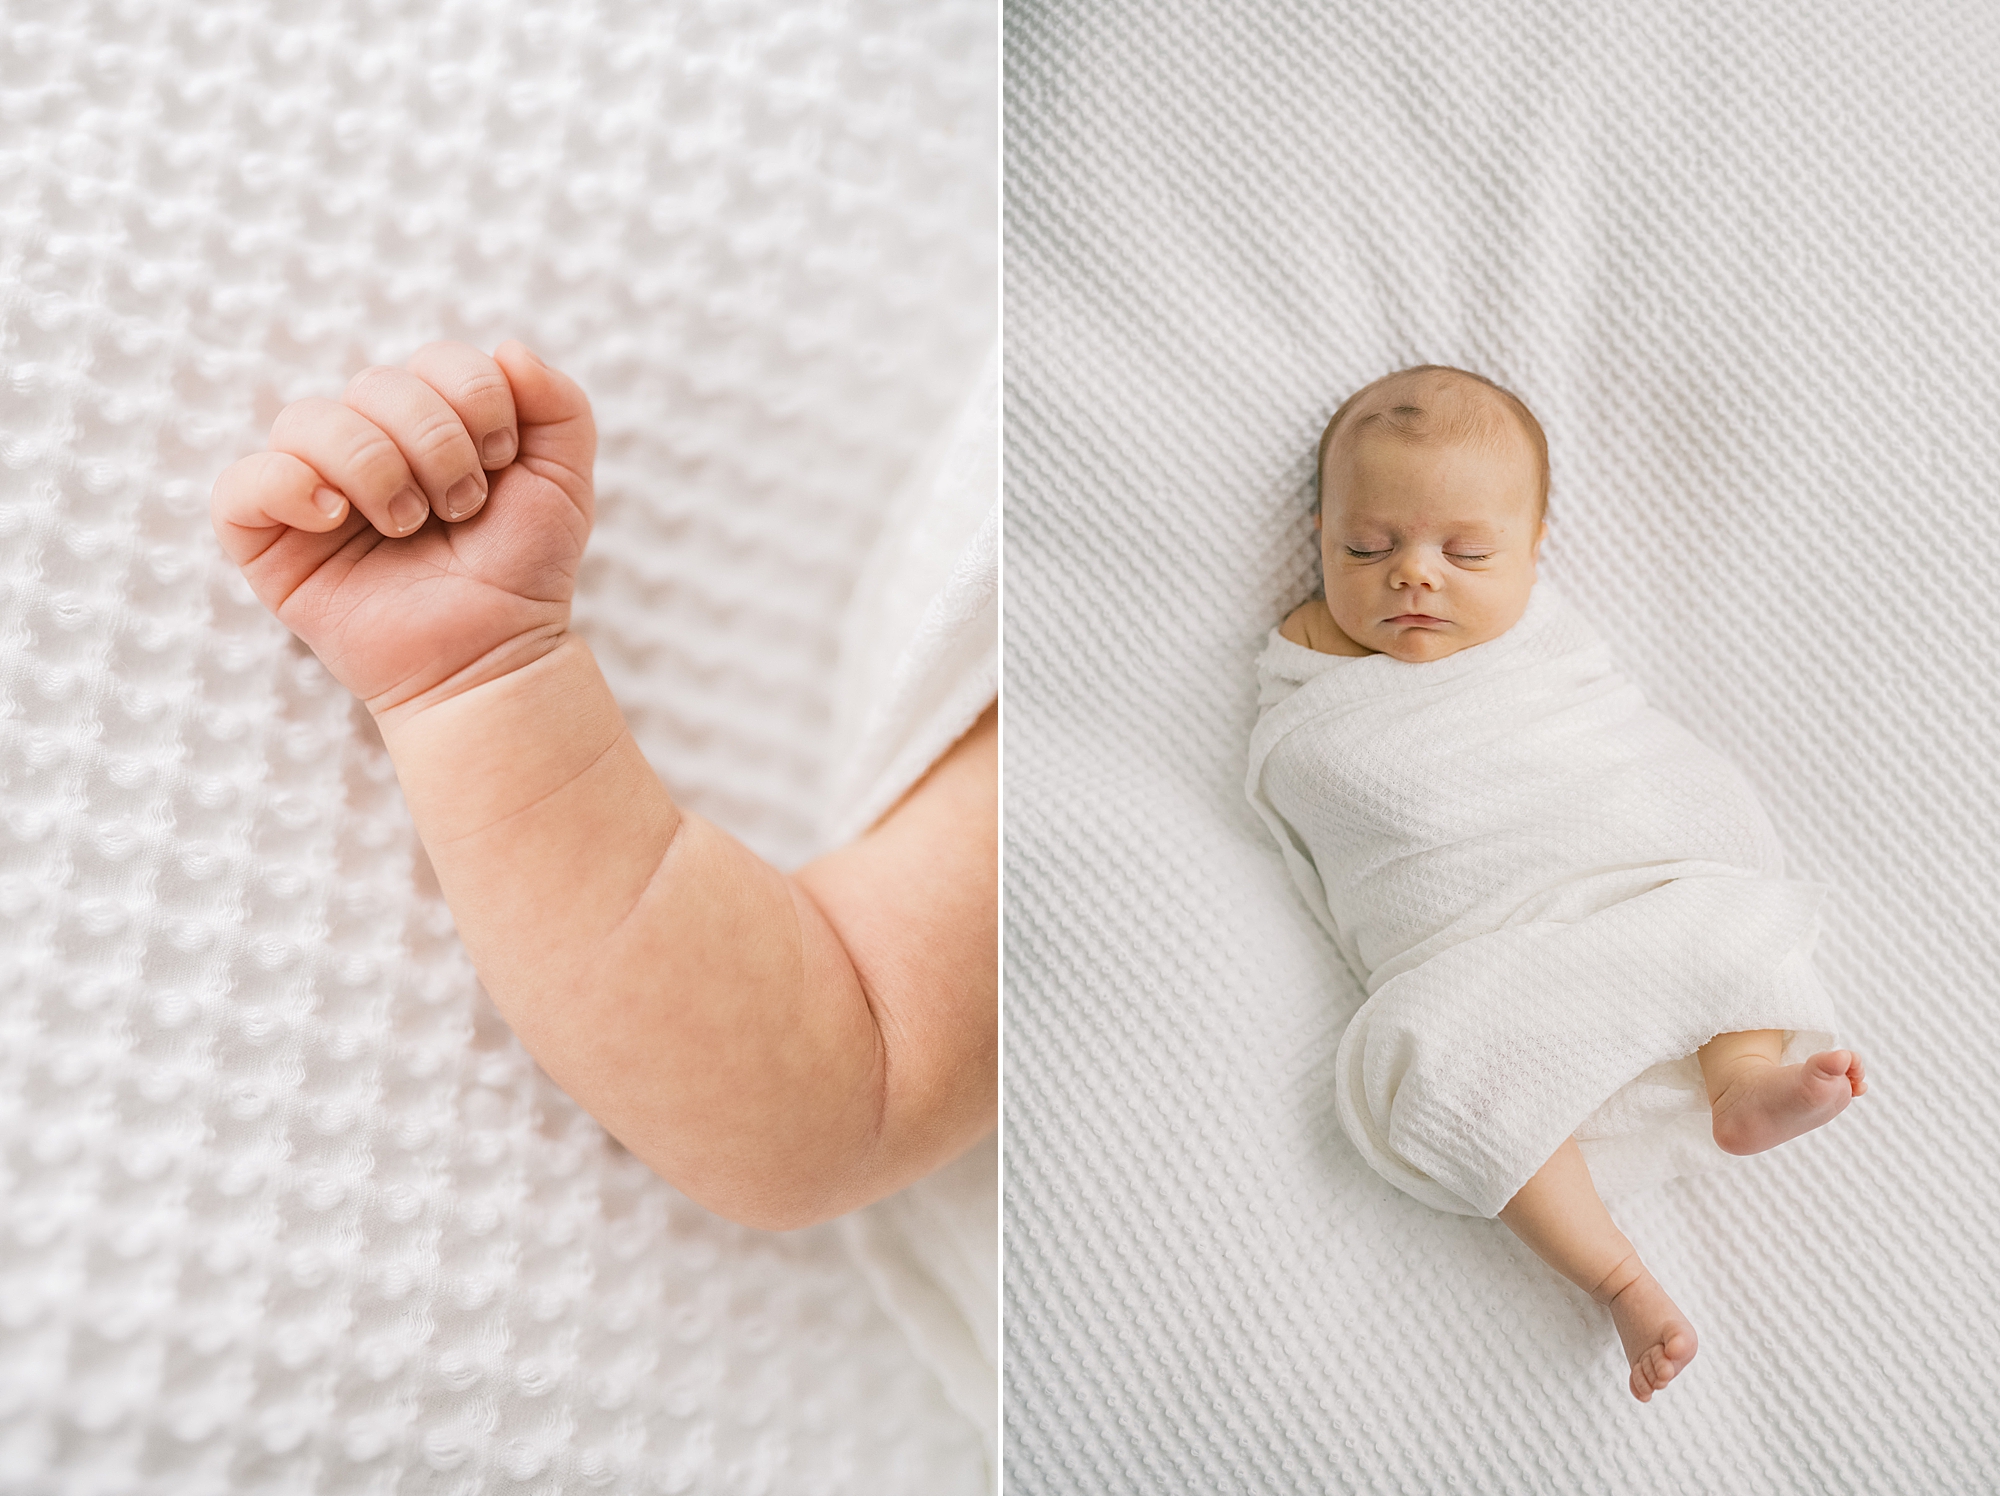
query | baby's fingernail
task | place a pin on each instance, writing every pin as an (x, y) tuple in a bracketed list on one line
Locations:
[(532, 354), (464, 496), (407, 511), (496, 448), (328, 502)]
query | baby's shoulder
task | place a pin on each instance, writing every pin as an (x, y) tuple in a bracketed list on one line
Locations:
[(1311, 624), (1298, 624)]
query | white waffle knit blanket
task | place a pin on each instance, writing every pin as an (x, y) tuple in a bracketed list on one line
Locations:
[(919, 661), (284, 1206), (1552, 894)]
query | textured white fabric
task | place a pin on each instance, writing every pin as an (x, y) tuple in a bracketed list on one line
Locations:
[(920, 657), (1739, 260), (1551, 894), (283, 1207), (932, 1254), (920, 648)]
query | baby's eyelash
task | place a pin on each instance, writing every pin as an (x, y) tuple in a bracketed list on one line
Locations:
[(1455, 555)]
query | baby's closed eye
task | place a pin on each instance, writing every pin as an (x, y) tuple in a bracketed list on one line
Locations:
[(1376, 553)]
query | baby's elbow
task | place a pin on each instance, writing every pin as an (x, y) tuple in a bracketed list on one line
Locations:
[(784, 1216), (775, 1202), (815, 1180), (772, 1180)]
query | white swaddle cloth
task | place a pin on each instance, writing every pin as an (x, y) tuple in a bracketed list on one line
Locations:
[(919, 661), (1552, 893)]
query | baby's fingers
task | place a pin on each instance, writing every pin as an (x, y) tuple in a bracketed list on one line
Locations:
[(258, 497), (429, 433), (357, 457), (474, 386)]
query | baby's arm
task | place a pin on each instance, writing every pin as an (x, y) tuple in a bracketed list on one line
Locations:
[(782, 1049)]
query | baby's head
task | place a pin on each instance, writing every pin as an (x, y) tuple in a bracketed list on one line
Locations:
[(1434, 487)]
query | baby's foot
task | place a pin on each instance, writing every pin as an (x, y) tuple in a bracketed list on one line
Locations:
[(1658, 1340), (1765, 1104)]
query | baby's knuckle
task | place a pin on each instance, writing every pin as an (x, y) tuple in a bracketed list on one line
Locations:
[(440, 348), (371, 377), (299, 414), (372, 450), (238, 475), (437, 431), (483, 386)]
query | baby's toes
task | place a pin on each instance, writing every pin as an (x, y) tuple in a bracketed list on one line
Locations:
[(1642, 1386), (1650, 1373), (1831, 1075), (1677, 1350), (1857, 1077), (1662, 1363)]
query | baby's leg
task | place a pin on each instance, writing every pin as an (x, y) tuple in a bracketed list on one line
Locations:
[(1758, 1103), (1558, 1214)]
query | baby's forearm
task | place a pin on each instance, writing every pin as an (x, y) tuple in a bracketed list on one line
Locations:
[(690, 996)]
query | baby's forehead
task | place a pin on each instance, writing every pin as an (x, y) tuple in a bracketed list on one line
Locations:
[(1486, 515), (1486, 472), (1456, 485), (1477, 426)]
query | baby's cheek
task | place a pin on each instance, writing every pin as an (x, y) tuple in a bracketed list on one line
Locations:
[(1501, 608), (1347, 588)]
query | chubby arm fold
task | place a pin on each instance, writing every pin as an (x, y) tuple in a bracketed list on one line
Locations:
[(782, 1049)]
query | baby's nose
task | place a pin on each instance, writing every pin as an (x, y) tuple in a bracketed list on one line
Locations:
[(1413, 569)]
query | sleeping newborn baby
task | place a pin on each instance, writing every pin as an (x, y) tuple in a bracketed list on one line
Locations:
[(1584, 968)]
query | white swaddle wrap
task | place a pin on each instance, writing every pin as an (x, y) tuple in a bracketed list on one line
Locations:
[(919, 662), (1552, 893)]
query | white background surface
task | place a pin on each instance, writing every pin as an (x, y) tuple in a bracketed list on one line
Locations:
[(1741, 266), (282, 1206)]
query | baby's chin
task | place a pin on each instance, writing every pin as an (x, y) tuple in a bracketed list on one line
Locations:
[(1417, 646)]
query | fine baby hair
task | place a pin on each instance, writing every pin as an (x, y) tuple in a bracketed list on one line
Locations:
[(1436, 402)]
